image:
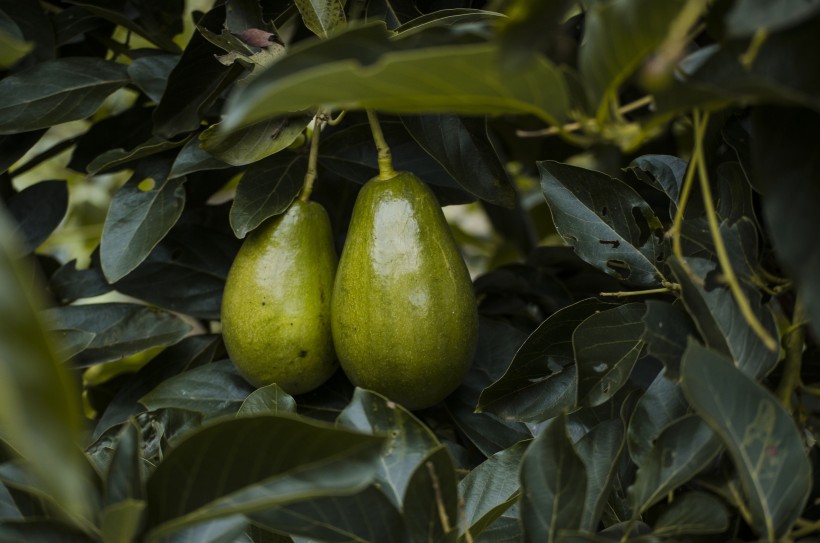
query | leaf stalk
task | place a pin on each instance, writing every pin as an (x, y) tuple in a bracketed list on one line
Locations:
[(386, 170), (313, 158)]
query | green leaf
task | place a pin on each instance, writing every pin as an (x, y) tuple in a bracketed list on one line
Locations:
[(619, 36), (532, 27), (322, 16), (266, 189), (253, 142), (463, 147), (119, 329), (666, 330), (491, 488), (746, 17), (783, 166), (680, 452), (42, 531), (432, 493), (125, 478), (57, 91), (607, 222), (222, 530), (409, 441), (36, 392), (268, 399), (114, 158), (553, 484), (759, 434), (662, 404), (541, 378), (600, 449), (662, 172), (192, 158), (692, 513), (12, 49), (607, 345), (122, 522), (151, 74), (213, 389), (257, 468), (141, 214), (363, 68), (38, 211)]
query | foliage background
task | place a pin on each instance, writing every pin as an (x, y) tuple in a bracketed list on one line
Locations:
[(633, 184)]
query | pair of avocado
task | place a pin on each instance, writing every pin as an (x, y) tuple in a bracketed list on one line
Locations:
[(399, 311)]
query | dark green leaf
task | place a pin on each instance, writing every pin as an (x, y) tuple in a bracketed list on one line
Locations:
[(462, 146), (12, 47), (15, 146), (392, 12), (692, 513), (784, 166), (618, 38), (553, 484), (409, 441), (663, 172), (541, 379), (192, 158), (719, 319), (42, 531), (268, 399), (253, 142), (222, 530), (362, 68), (432, 494), (734, 198), (682, 450), (607, 345), (662, 404), (33, 26), (507, 529), (532, 27), (491, 488), (666, 330), (266, 189), (8, 509), (607, 223), (140, 215), (151, 74), (57, 91), (258, 469), (69, 283), (38, 210), (322, 17), (600, 450), (759, 434), (749, 16), (114, 158), (213, 389), (35, 390), (125, 478), (156, 23), (122, 521), (119, 329)]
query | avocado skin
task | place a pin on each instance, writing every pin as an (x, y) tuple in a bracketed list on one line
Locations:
[(276, 304), (404, 315)]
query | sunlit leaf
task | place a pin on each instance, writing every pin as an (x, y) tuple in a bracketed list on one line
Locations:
[(322, 16), (253, 142)]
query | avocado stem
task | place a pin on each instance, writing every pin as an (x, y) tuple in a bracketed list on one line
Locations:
[(386, 170), (313, 157)]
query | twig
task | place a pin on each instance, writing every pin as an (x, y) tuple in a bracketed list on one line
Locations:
[(442, 511), (793, 344), (572, 127), (313, 157), (626, 293)]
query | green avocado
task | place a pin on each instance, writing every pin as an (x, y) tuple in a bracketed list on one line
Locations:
[(276, 304), (404, 315)]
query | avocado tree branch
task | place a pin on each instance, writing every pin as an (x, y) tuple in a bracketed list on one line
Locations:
[(793, 345)]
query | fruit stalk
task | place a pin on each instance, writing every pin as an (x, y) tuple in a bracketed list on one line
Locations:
[(386, 170), (313, 157)]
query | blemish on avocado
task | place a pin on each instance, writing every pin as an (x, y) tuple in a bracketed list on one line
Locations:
[(302, 354)]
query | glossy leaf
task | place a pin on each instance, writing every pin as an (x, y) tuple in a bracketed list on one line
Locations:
[(119, 329), (553, 484), (35, 390), (662, 404), (257, 467), (254, 142), (140, 215), (213, 389), (57, 91), (667, 328), (408, 440), (38, 210), (268, 399), (759, 434), (607, 345), (541, 379), (607, 223), (192, 158), (266, 189), (692, 513), (662, 172), (322, 17), (151, 73), (431, 499), (362, 68)]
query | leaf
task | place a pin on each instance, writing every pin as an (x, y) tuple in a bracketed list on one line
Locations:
[(507, 529), (14, 147), (692, 513), (662, 404), (257, 469), (268, 399), (322, 16), (618, 38), (666, 330), (392, 12), (140, 215), (600, 450), (532, 27), (607, 223), (432, 493), (192, 158), (541, 379), (719, 319), (746, 17), (114, 158), (119, 329), (122, 522), (408, 440), (57, 91), (32, 25), (680, 452), (213, 389), (254, 142), (491, 488), (662, 172), (607, 345), (266, 189), (553, 484), (38, 210), (69, 283), (12, 49), (41, 530), (151, 74), (125, 478), (221, 530), (35, 390), (463, 147), (362, 68), (759, 434), (779, 149)]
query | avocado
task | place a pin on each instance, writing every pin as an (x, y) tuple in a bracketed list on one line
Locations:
[(404, 317), (276, 304)]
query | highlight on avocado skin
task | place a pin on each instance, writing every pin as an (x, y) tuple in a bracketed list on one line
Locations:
[(276, 304), (404, 317)]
